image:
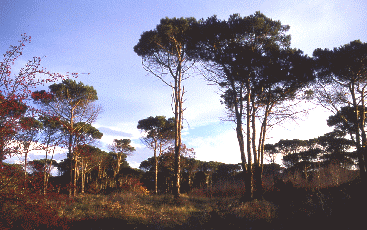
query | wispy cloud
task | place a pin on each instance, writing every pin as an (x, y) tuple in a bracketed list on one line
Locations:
[(110, 132)]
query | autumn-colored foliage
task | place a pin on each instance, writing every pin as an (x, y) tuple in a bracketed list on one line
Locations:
[(16, 90)]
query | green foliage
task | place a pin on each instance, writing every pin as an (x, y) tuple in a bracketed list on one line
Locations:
[(75, 93), (157, 128), (251, 60), (165, 37), (342, 76), (122, 146), (346, 120), (309, 154), (346, 63), (70, 104)]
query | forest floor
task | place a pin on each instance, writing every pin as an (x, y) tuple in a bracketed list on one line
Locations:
[(339, 207)]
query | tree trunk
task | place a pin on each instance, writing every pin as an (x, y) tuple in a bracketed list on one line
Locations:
[(83, 176), (25, 167), (364, 141), (178, 120), (155, 168), (250, 176), (75, 162)]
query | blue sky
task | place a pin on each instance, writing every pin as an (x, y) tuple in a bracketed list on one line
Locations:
[(98, 37)]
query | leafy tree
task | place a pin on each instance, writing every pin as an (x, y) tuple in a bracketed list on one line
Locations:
[(158, 134), (337, 148), (304, 155), (15, 90), (260, 75), (164, 52), (73, 104), (341, 83), (120, 150), (10, 112)]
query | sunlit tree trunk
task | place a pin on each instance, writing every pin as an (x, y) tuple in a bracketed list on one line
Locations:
[(178, 122)]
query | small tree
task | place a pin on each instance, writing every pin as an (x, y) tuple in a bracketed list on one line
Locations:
[(158, 135), (120, 149)]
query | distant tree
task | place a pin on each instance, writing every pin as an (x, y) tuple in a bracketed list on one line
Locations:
[(120, 150), (250, 59), (337, 146), (73, 104), (158, 135), (84, 136), (42, 168), (37, 166), (271, 152), (164, 52), (89, 158), (341, 83), (166, 167), (226, 172), (50, 139), (28, 137), (208, 169), (303, 155)]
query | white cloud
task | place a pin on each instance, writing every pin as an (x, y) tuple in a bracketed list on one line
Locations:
[(222, 148)]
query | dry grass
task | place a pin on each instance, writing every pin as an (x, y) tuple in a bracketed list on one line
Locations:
[(165, 210), (162, 210), (201, 209), (256, 210)]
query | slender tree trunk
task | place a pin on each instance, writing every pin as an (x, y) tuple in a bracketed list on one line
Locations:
[(75, 174), (72, 172), (155, 167), (238, 107), (83, 175), (45, 170), (364, 141), (25, 167), (250, 175), (178, 121)]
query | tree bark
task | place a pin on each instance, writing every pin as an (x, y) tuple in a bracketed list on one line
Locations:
[(250, 176), (178, 120), (155, 168)]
